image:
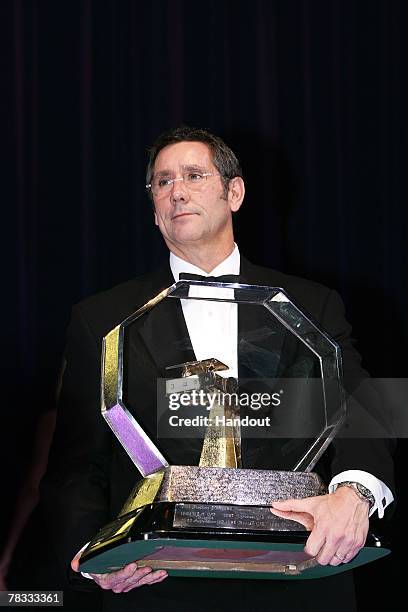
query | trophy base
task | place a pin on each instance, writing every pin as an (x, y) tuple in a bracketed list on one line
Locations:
[(187, 540)]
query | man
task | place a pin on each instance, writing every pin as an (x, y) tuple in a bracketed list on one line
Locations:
[(196, 185)]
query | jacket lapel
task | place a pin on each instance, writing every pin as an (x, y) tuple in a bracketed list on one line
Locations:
[(162, 331), (165, 336)]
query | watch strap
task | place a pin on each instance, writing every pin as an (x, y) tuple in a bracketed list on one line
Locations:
[(362, 492)]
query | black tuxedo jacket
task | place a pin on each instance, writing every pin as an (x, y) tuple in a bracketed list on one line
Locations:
[(90, 476)]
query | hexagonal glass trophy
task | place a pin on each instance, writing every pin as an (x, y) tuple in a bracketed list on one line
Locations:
[(213, 518)]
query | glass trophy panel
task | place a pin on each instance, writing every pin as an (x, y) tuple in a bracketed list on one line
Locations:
[(288, 394)]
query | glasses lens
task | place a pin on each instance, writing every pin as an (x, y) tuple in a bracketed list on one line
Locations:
[(193, 180)]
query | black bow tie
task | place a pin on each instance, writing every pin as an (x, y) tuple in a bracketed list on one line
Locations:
[(226, 278)]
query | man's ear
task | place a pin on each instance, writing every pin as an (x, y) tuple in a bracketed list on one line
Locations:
[(236, 193)]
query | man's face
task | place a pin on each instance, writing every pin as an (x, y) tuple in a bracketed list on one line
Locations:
[(184, 215)]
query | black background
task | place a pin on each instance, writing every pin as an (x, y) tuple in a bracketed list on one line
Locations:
[(312, 96)]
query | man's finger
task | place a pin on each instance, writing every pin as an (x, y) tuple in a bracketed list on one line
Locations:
[(116, 577), (75, 561), (338, 558), (139, 579), (304, 518), (159, 578), (154, 577), (315, 543), (330, 555), (294, 505), (118, 582)]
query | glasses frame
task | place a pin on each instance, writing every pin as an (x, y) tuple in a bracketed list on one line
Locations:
[(171, 181)]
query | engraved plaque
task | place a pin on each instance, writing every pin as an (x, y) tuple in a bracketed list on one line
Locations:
[(231, 517)]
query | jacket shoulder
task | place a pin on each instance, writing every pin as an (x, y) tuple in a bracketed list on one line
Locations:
[(310, 295), (106, 309)]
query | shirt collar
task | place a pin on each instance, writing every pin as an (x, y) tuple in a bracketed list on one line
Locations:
[(230, 265)]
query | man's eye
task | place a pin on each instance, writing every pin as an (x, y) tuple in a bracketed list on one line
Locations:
[(194, 177), (163, 182)]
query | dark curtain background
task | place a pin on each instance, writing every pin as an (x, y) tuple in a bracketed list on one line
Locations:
[(311, 94)]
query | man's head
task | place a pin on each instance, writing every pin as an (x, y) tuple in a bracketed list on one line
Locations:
[(196, 184), (224, 159)]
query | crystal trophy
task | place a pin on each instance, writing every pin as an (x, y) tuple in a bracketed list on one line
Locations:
[(214, 518)]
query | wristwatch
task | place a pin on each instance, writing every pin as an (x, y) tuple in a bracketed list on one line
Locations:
[(361, 491)]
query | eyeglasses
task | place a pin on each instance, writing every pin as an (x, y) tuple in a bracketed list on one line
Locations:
[(161, 185)]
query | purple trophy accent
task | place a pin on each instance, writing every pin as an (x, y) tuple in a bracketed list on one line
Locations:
[(144, 454)]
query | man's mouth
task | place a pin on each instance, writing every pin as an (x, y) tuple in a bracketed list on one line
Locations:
[(183, 214)]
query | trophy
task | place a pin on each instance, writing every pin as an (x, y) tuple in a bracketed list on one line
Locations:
[(214, 518)]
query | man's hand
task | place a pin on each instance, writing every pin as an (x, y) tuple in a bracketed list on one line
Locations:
[(124, 580), (338, 523)]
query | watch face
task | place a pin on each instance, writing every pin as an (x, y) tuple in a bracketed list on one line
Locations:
[(366, 493)]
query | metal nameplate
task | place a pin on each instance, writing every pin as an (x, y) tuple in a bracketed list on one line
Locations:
[(220, 516)]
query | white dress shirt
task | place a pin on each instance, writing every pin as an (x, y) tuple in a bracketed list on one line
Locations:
[(213, 330), (212, 326)]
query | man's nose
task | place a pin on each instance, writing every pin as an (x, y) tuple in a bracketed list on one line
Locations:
[(179, 190)]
